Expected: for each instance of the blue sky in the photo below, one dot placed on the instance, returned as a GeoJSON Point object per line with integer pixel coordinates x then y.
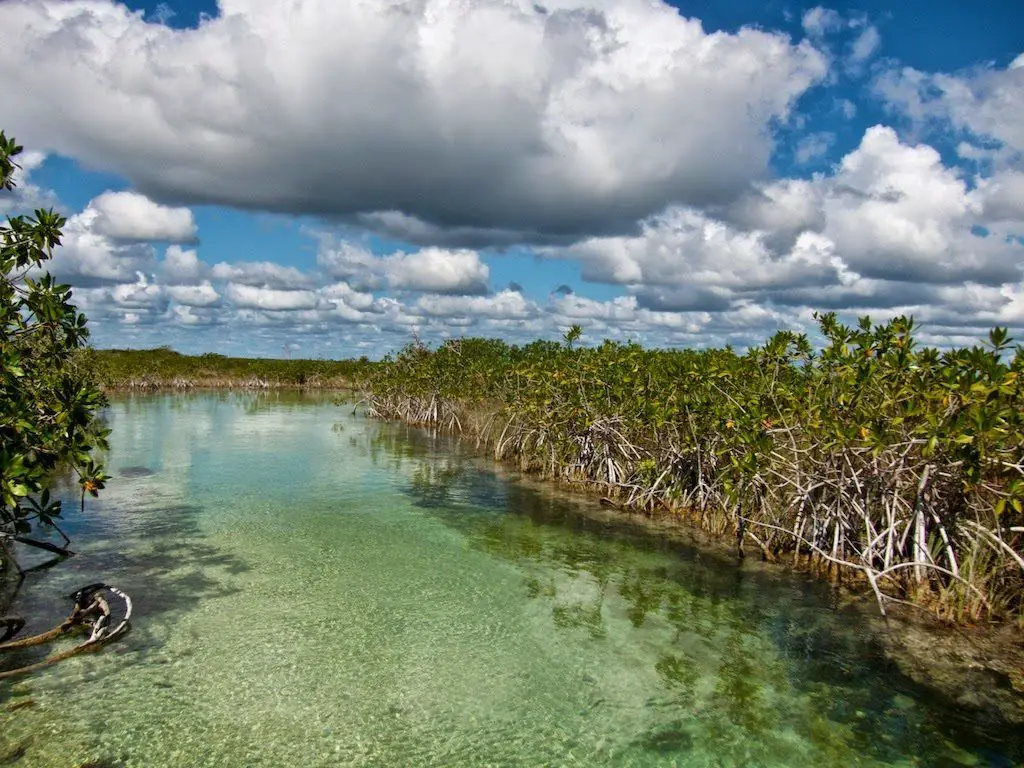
{"type": "Point", "coordinates": [325, 178]}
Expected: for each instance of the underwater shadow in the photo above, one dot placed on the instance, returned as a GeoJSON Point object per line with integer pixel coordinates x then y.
{"type": "Point", "coordinates": [160, 560]}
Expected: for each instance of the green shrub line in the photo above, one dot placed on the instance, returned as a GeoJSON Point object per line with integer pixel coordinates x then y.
{"type": "Point", "coordinates": [873, 458]}
{"type": "Point", "coordinates": [163, 368]}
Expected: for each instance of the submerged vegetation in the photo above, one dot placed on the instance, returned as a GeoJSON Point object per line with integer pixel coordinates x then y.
{"type": "Point", "coordinates": [164, 368]}
{"type": "Point", "coordinates": [897, 465]}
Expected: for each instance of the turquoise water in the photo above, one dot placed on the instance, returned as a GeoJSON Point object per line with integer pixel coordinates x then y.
{"type": "Point", "coordinates": [315, 589]}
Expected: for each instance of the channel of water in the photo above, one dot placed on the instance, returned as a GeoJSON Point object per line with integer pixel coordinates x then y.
{"type": "Point", "coordinates": [317, 589]}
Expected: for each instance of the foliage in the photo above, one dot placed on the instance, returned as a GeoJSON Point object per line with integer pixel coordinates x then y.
{"type": "Point", "coordinates": [900, 465]}
{"type": "Point", "coordinates": [47, 400]}
{"type": "Point", "coordinates": [163, 367]}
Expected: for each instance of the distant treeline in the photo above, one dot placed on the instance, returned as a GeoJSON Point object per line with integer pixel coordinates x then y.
{"type": "Point", "coordinates": [164, 368]}
{"type": "Point", "coordinates": [898, 465]}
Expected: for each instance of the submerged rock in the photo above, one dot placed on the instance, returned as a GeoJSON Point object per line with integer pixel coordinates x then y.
{"type": "Point", "coordinates": [136, 472]}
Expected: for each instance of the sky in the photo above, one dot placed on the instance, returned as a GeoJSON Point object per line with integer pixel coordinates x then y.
{"type": "Point", "coordinates": [333, 178]}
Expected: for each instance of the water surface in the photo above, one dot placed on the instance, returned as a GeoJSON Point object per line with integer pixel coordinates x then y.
{"type": "Point", "coordinates": [315, 589]}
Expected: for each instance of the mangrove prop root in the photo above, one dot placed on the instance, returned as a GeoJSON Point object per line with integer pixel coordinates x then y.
{"type": "Point", "coordinates": [91, 611]}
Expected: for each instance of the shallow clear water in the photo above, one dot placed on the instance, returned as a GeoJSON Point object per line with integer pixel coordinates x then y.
{"type": "Point", "coordinates": [314, 589]}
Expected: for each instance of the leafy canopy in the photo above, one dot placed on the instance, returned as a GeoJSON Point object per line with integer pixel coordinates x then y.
{"type": "Point", "coordinates": [48, 401]}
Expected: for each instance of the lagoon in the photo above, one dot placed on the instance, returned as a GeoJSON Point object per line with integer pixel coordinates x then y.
{"type": "Point", "coordinates": [317, 589]}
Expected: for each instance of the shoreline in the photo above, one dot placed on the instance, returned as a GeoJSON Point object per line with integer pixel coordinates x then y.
{"type": "Point", "coordinates": [250, 385]}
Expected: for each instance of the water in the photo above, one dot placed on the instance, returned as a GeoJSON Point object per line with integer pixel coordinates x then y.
{"type": "Point", "coordinates": [314, 589]}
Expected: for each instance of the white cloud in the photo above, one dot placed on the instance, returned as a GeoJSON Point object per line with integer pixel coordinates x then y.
{"type": "Point", "coordinates": [888, 231]}
{"type": "Point", "coordinates": [104, 242]}
{"type": "Point", "coordinates": [262, 274]}
{"type": "Point", "coordinates": [503, 305]}
{"type": "Point", "coordinates": [1001, 197]}
{"type": "Point", "coordinates": [430, 270]}
{"type": "Point", "coordinates": [182, 267]}
{"type": "Point", "coordinates": [191, 317]}
{"type": "Point", "coordinates": [781, 209]}
{"type": "Point", "coordinates": [813, 146]}
{"type": "Point", "coordinates": [890, 228]}
{"type": "Point", "coordinates": [689, 261]}
{"type": "Point", "coordinates": [895, 211]}
{"type": "Point", "coordinates": [434, 270]}
{"type": "Point", "coordinates": [616, 133]}
{"type": "Point", "coordinates": [141, 295]}
{"type": "Point", "coordinates": [860, 39]}
{"type": "Point", "coordinates": [865, 46]}
{"type": "Point", "coordinates": [87, 258]}
{"type": "Point", "coordinates": [270, 299]}
{"type": "Point", "coordinates": [131, 216]}
{"type": "Point", "coordinates": [820, 21]}
{"type": "Point", "coordinates": [202, 295]}
{"type": "Point", "coordinates": [345, 293]}
{"type": "Point", "coordinates": [624, 312]}
{"type": "Point", "coordinates": [988, 102]}
{"type": "Point", "coordinates": [489, 115]}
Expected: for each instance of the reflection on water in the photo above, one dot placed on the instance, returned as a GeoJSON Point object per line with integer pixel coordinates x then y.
{"type": "Point", "coordinates": [315, 589]}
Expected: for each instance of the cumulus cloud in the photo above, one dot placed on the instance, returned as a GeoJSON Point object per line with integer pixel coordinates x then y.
{"type": "Point", "coordinates": [865, 46]}
{"type": "Point", "coordinates": [270, 299]}
{"type": "Point", "coordinates": [489, 115]}
{"type": "Point", "coordinates": [181, 266]}
{"type": "Point", "coordinates": [141, 295]}
{"type": "Point", "coordinates": [1001, 197]}
{"type": "Point", "coordinates": [203, 295]}
{"type": "Point", "coordinates": [431, 270]}
{"type": "Point", "coordinates": [988, 102]}
{"type": "Point", "coordinates": [436, 271]}
{"type": "Point", "coordinates": [88, 258]}
{"type": "Point", "coordinates": [504, 305]}
{"type": "Point", "coordinates": [613, 134]}
{"type": "Point", "coordinates": [262, 274]}
{"type": "Point", "coordinates": [820, 21]}
{"type": "Point", "coordinates": [891, 227]}
{"type": "Point", "coordinates": [683, 260]}
{"type": "Point", "coordinates": [192, 317]}
{"type": "Point", "coordinates": [626, 313]}
{"type": "Point", "coordinates": [813, 146]}
{"type": "Point", "coordinates": [346, 294]}
{"type": "Point", "coordinates": [106, 243]}
{"type": "Point", "coordinates": [131, 216]}
{"type": "Point", "coordinates": [895, 211]}
{"type": "Point", "coordinates": [860, 40]}
{"type": "Point", "coordinates": [847, 108]}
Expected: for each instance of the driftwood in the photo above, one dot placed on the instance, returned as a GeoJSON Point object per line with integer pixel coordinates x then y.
{"type": "Point", "coordinates": [91, 611]}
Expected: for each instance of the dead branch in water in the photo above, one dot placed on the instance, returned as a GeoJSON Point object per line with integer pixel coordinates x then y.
{"type": "Point", "coordinates": [91, 611]}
